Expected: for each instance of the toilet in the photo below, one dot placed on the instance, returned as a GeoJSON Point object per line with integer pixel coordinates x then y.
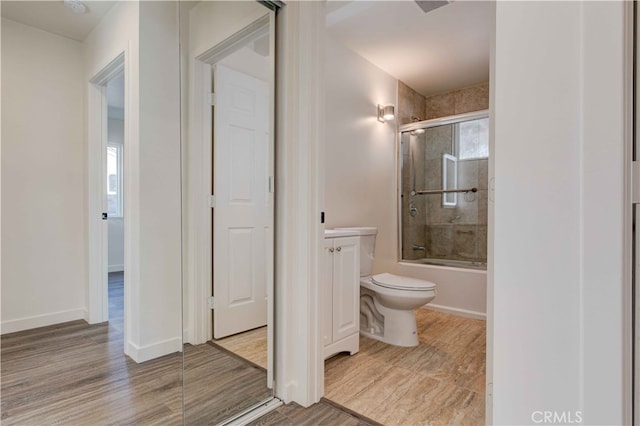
{"type": "Point", "coordinates": [387, 301]}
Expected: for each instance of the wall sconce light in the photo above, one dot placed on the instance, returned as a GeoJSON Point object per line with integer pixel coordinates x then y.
{"type": "Point", "coordinates": [385, 113]}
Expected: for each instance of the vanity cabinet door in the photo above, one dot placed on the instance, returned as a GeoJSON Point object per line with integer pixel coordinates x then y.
{"type": "Point", "coordinates": [326, 294]}
{"type": "Point", "coordinates": [346, 287]}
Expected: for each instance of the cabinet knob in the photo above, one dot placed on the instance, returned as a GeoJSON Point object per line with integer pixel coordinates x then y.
{"type": "Point", "coordinates": [331, 250]}
{"type": "Point", "coordinates": [339, 248]}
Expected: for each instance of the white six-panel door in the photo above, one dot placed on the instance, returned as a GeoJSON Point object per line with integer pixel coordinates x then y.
{"type": "Point", "coordinates": [242, 234]}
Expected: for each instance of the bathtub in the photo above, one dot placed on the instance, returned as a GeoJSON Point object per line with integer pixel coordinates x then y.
{"type": "Point", "coordinates": [449, 262]}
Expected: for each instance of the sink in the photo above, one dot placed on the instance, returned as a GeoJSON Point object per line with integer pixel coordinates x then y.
{"type": "Point", "coordinates": [334, 233]}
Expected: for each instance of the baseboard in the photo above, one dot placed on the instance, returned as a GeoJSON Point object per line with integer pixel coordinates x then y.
{"type": "Point", "coordinates": [186, 335]}
{"type": "Point", "coordinates": [115, 268]}
{"type": "Point", "coordinates": [154, 350]}
{"type": "Point", "coordinates": [456, 311]}
{"type": "Point", "coordinates": [21, 324]}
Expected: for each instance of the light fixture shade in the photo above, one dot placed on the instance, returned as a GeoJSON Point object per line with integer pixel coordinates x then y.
{"type": "Point", "coordinates": [386, 113]}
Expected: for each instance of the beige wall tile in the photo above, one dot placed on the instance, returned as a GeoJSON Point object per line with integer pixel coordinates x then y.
{"type": "Point", "coordinates": [440, 106]}
{"type": "Point", "coordinates": [410, 104]}
{"type": "Point", "coordinates": [468, 99]}
{"type": "Point", "coordinates": [474, 98]}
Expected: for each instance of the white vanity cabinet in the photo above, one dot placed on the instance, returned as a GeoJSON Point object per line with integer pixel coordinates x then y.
{"type": "Point", "coordinates": [340, 293]}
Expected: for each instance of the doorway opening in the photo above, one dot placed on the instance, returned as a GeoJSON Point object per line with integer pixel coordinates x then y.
{"type": "Point", "coordinates": [403, 174]}
{"type": "Point", "coordinates": [107, 126]}
{"type": "Point", "coordinates": [114, 167]}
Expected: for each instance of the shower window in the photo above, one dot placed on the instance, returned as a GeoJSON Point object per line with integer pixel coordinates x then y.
{"type": "Point", "coordinates": [473, 139]}
{"type": "Point", "coordinates": [443, 190]}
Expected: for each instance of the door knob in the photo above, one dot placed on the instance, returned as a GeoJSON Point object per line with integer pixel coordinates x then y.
{"type": "Point", "coordinates": [331, 250]}
{"type": "Point", "coordinates": [339, 248]}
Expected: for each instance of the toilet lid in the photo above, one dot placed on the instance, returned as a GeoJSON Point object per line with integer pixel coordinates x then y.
{"type": "Point", "coordinates": [402, 283]}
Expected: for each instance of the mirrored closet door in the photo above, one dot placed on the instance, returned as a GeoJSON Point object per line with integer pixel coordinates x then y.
{"type": "Point", "coordinates": [227, 57]}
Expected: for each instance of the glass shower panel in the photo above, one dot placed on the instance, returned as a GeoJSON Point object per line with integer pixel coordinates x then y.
{"type": "Point", "coordinates": [444, 192]}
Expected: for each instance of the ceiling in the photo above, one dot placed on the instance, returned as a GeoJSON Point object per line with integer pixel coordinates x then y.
{"type": "Point", "coordinates": [54, 17]}
{"type": "Point", "coordinates": [435, 52]}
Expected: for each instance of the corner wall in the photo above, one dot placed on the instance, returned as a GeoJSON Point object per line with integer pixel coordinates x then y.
{"type": "Point", "coordinates": [160, 222]}
{"type": "Point", "coordinates": [43, 192]}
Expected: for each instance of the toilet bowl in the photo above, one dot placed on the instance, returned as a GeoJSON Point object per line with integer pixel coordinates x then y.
{"type": "Point", "coordinates": [387, 301]}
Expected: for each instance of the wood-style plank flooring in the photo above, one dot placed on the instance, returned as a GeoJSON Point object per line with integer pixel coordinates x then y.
{"type": "Point", "coordinates": [218, 386]}
{"type": "Point", "coordinates": [77, 374]}
{"type": "Point", "coordinates": [441, 381]}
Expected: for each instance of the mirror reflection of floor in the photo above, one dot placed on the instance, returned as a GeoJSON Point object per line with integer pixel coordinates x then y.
{"type": "Point", "coordinates": [250, 345]}
{"type": "Point", "coordinates": [218, 385]}
{"type": "Point", "coordinates": [441, 381]}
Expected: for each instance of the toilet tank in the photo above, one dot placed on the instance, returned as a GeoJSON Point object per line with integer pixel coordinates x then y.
{"type": "Point", "coordinates": [367, 247]}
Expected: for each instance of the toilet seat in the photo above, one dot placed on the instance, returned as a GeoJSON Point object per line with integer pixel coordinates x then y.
{"type": "Point", "coordinates": [398, 282]}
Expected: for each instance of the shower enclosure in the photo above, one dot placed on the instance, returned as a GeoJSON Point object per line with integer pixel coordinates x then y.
{"type": "Point", "coordinates": [443, 190]}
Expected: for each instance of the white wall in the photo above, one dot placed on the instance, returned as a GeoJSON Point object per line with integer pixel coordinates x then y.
{"type": "Point", "coordinates": [558, 274]}
{"type": "Point", "coordinates": [43, 240]}
{"type": "Point", "coordinates": [360, 176]}
{"type": "Point", "coordinates": [147, 32]}
{"type": "Point", "coordinates": [159, 181]}
{"type": "Point", "coordinates": [300, 133]}
{"type": "Point", "coordinates": [116, 224]}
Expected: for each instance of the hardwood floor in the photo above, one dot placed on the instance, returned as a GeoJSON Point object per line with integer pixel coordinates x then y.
{"type": "Point", "coordinates": [77, 374]}
{"type": "Point", "coordinates": [441, 381]}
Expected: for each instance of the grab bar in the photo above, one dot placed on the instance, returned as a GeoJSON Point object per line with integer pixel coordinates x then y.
{"type": "Point", "coordinates": [443, 191]}
{"type": "Point", "coordinates": [417, 247]}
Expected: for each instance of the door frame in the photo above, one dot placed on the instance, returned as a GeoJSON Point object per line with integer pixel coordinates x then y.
{"type": "Point", "coordinates": [200, 328]}
{"type": "Point", "coordinates": [97, 124]}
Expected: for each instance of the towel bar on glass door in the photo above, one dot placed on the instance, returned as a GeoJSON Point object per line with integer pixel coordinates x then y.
{"type": "Point", "coordinates": [443, 191]}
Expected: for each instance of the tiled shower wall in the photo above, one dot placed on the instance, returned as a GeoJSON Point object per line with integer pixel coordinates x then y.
{"type": "Point", "coordinates": [474, 98]}
{"type": "Point", "coordinates": [456, 233]}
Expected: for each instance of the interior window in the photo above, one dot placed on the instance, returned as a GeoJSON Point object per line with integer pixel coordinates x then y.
{"type": "Point", "coordinates": [114, 180]}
